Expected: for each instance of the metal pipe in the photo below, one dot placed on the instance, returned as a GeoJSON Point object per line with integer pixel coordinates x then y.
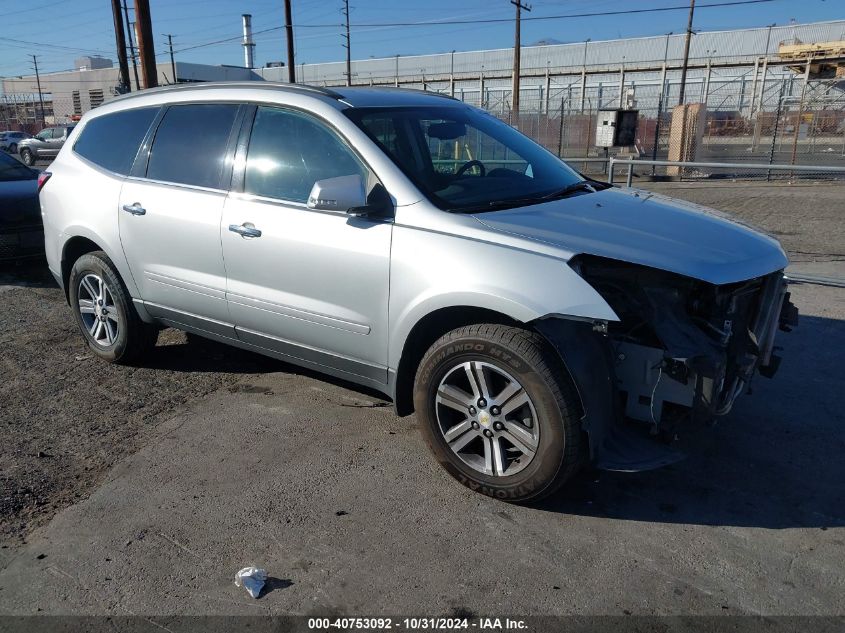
{"type": "Point", "coordinates": [248, 44]}
{"type": "Point", "coordinates": [753, 166]}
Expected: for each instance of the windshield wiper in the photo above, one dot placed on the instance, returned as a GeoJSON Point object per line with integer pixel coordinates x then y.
{"type": "Point", "coordinates": [581, 185]}
{"type": "Point", "coordinates": [588, 185]}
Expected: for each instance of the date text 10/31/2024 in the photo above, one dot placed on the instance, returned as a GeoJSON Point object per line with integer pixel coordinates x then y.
{"type": "Point", "coordinates": [386, 624]}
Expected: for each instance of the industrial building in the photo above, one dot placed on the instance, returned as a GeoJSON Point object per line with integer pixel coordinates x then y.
{"type": "Point", "coordinates": [69, 94]}
{"type": "Point", "coordinates": [742, 67]}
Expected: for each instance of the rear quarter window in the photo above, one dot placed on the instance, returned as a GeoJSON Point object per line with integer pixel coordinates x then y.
{"type": "Point", "coordinates": [190, 145]}
{"type": "Point", "coordinates": [112, 140]}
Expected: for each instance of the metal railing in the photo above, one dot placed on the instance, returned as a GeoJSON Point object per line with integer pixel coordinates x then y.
{"type": "Point", "coordinates": [632, 162]}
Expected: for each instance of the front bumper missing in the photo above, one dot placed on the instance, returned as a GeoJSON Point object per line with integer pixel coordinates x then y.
{"type": "Point", "coordinates": [587, 356]}
{"type": "Point", "coordinates": [693, 376]}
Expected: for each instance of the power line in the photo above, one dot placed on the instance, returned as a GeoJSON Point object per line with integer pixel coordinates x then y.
{"type": "Point", "coordinates": [72, 49]}
{"type": "Point", "coordinates": [549, 17]}
{"type": "Point", "coordinates": [485, 21]}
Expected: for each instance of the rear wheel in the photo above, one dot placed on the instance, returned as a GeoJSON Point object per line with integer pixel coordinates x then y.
{"type": "Point", "coordinates": [104, 312]}
{"type": "Point", "coordinates": [499, 411]}
{"type": "Point", "coordinates": [27, 157]}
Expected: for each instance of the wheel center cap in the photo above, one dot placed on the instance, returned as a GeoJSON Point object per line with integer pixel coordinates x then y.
{"type": "Point", "coordinates": [484, 418]}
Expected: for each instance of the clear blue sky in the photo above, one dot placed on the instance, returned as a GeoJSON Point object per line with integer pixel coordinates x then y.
{"type": "Point", "coordinates": [60, 30]}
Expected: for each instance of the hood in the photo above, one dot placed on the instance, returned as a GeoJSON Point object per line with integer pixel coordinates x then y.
{"type": "Point", "coordinates": [19, 203]}
{"type": "Point", "coordinates": [640, 227]}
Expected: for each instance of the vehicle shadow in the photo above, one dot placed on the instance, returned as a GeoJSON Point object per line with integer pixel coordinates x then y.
{"type": "Point", "coordinates": [205, 355]}
{"type": "Point", "coordinates": [775, 462]}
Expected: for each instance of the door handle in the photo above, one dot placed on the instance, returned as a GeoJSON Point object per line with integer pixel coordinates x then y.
{"type": "Point", "coordinates": [134, 209]}
{"type": "Point", "coordinates": [245, 230]}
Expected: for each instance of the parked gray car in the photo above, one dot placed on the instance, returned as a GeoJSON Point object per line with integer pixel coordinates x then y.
{"type": "Point", "coordinates": [532, 318]}
{"type": "Point", "coordinates": [44, 145]}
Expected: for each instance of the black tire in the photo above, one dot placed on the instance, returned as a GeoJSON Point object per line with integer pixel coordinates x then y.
{"type": "Point", "coordinates": [528, 358]}
{"type": "Point", "coordinates": [27, 158]}
{"type": "Point", "coordinates": [134, 337]}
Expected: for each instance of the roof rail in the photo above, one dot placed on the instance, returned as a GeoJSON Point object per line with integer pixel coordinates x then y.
{"type": "Point", "coordinates": [431, 93]}
{"type": "Point", "coordinates": [256, 84]}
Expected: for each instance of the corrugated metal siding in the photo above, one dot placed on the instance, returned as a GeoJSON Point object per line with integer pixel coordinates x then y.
{"type": "Point", "coordinates": [734, 46]}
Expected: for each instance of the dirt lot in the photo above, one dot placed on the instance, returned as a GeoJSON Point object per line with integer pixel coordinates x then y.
{"type": "Point", "coordinates": [65, 419]}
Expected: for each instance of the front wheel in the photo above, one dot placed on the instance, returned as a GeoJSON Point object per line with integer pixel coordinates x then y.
{"type": "Point", "coordinates": [104, 312]}
{"type": "Point", "coordinates": [499, 411]}
{"type": "Point", "coordinates": [27, 157]}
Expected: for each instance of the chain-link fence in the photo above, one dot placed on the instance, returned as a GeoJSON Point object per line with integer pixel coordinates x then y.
{"type": "Point", "coordinates": [783, 127]}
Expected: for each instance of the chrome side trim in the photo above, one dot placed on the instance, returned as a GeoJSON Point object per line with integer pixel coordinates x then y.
{"type": "Point", "coordinates": [302, 315]}
{"type": "Point", "coordinates": [190, 286]}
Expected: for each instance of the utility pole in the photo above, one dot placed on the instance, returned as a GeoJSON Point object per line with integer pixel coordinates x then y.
{"type": "Point", "coordinates": [686, 53]}
{"type": "Point", "coordinates": [172, 63]}
{"type": "Point", "coordinates": [348, 45]}
{"type": "Point", "coordinates": [38, 82]}
{"type": "Point", "coordinates": [516, 55]}
{"type": "Point", "coordinates": [146, 47]}
{"type": "Point", "coordinates": [289, 34]}
{"type": "Point", "coordinates": [131, 46]}
{"type": "Point", "coordinates": [120, 43]}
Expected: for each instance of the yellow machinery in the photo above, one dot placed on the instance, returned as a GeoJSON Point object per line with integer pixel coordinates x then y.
{"type": "Point", "coordinates": [827, 59]}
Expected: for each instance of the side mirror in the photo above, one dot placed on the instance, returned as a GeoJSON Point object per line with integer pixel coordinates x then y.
{"type": "Point", "coordinates": [343, 193]}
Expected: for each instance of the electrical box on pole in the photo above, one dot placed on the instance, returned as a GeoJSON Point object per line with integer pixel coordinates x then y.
{"type": "Point", "coordinates": [616, 128]}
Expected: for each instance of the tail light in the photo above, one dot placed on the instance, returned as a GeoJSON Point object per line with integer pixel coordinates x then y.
{"type": "Point", "coordinates": [43, 177]}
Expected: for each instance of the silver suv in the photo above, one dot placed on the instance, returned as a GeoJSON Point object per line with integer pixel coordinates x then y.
{"type": "Point", "coordinates": [532, 318]}
{"type": "Point", "coordinates": [44, 145]}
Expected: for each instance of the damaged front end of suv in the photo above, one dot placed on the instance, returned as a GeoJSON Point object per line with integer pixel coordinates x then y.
{"type": "Point", "coordinates": [682, 351]}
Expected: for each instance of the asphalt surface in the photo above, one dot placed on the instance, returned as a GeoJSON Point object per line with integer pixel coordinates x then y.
{"type": "Point", "coordinates": [341, 502]}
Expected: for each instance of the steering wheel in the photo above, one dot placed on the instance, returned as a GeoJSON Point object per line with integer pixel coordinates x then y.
{"type": "Point", "coordinates": [469, 165]}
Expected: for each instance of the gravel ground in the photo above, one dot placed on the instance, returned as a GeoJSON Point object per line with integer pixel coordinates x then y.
{"type": "Point", "coordinates": [65, 418]}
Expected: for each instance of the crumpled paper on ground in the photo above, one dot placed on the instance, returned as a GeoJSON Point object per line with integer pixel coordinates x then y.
{"type": "Point", "coordinates": [252, 579]}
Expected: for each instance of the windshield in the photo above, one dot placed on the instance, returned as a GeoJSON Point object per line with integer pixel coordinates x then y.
{"type": "Point", "coordinates": [464, 159]}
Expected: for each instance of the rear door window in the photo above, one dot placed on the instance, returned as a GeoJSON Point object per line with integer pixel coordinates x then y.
{"type": "Point", "coordinates": [112, 140]}
{"type": "Point", "coordinates": [190, 145]}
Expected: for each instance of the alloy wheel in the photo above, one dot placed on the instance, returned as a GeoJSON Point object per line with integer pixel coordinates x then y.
{"type": "Point", "coordinates": [487, 418]}
{"type": "Point", "coordinates": [99, 313]}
